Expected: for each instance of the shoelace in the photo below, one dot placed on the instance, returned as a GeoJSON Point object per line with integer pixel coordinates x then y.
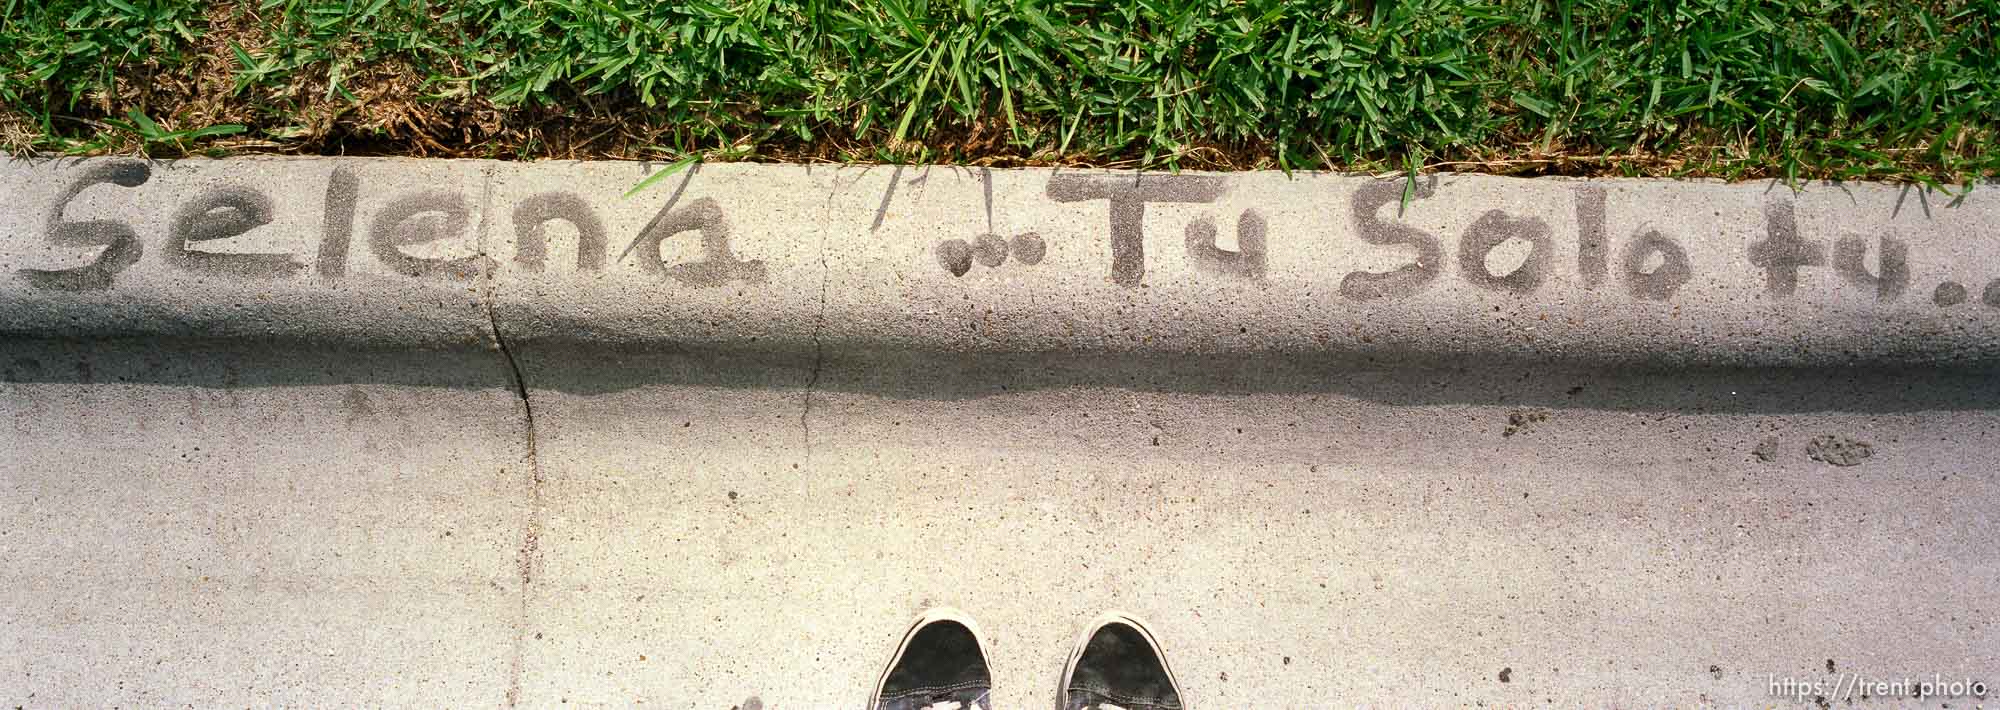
{"type": "Point", "coordinates": [979, 703]}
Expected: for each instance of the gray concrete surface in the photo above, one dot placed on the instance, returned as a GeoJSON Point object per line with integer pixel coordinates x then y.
{"type": "Point", "coordinates": [751, 257]}
{"type": "Point", "coordinates": [788, 408]}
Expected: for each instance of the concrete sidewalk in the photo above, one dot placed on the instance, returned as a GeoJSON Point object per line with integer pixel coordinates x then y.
{"type": "Point", "coordinates": [347, 432]}
{"type": "Point", "coordinates": [769, 258]}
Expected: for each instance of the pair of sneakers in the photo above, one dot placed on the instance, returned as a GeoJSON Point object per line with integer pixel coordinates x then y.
{"type": "Point", "coordinates": [941, 665]}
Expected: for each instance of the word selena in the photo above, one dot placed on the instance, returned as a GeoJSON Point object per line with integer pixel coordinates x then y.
{"type": "Point", "coordinates": [415, 218]}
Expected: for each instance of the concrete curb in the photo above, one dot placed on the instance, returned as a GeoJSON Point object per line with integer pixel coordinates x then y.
{"type": "Point", "coordinates": [430, 433]}
{"type": "Point", "coordinates": [447, 254]}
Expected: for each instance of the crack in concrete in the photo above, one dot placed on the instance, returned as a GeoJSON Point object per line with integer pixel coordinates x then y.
{"type": "Point", "coordinates": [530, 561]}
{"type": "Point", "coordinates": [819, 354]}
{"type": "Point", "coordinates": [528, 565]}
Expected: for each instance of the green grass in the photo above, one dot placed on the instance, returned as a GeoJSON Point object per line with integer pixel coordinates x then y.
{"type": "Point", "coordinates": [1797, 89]}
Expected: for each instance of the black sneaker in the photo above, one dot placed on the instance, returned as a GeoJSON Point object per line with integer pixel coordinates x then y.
{"type": "Point", "coordinates": [1118, 664]}
{"type": "Point", "coordinates": [940, 664]}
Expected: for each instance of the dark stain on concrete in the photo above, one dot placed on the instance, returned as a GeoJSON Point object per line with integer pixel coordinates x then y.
{"type": "Point", "coordinates": [221, 213]}
{"type": "Point", "coordinates": [1247, 262]}
{"type": "Point", "coordinates": [337, 224]}
{"type": "Point", "coordinates": [955, 256]}
{"type": "Point", "coordinates": [1949, 293]}
{"type": "Point", "coordinates": [531, 229]}
{"type": "Point", "coordinates": [121, 244]}
{"type": "Point", "coordinates": [1674, 271]}
{"type": "Point", "coordinates": [1029, 249]}
{"type": "Point", "coordinates": [1593, 249]}
{"type": "Point", "coordinates": [357, 404]}
{"type": "Point", "coordinates": [1521, 421]}
{"type": "Point", "coordinates": [1128, 197]}
{"type": "Point", "coordinates": [718, 264]}
{"type": "Point", "coordinates": [1766, 451]}
{"type": "Point", "coordinates": [1894, 276]}
{"type": "Point", "coordinates": [1838, 450]}
{"type": "Point", "coordinates": [1782, 252]}
{"type": "Point", "coordinates": [1494, 229]}
{"type": "Point", "coordinates": [1427, 262]}
{"type": "Point", "coordinates": [422, 218]}
{"type": "Point", "coordinates": [989, 249]}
